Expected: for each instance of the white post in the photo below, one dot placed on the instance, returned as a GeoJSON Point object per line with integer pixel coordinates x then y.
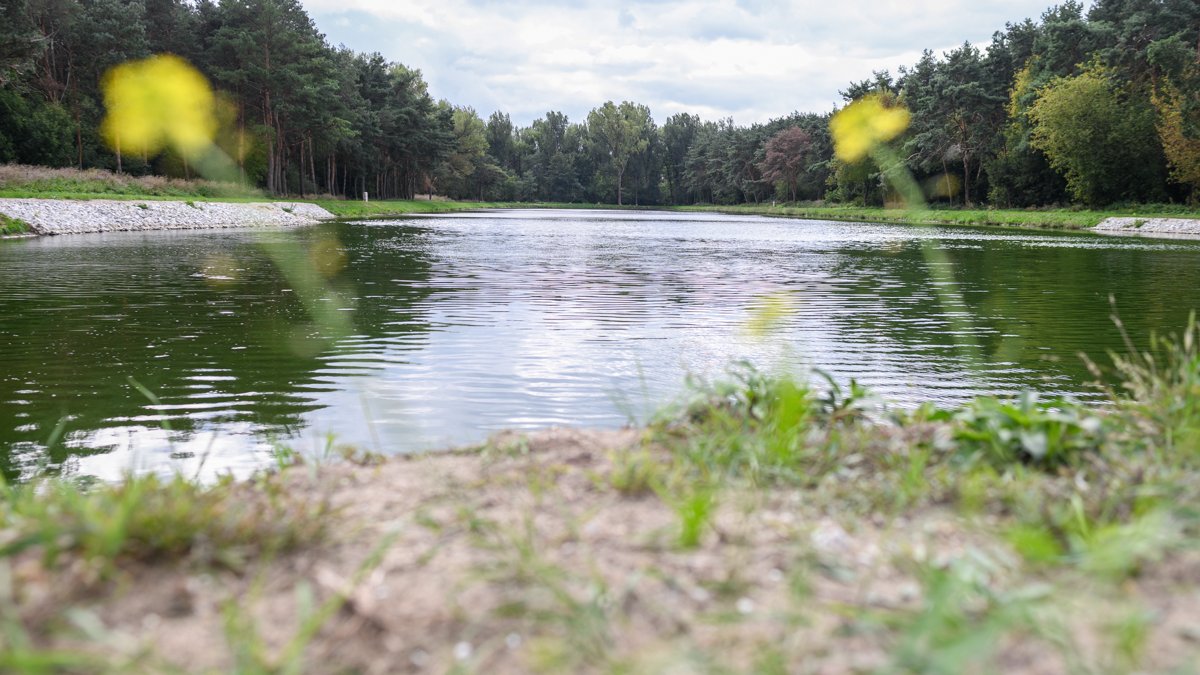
{"type": "Point", "coordinates": [366, 198]}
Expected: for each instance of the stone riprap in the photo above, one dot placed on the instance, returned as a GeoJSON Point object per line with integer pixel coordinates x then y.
{"type": "Point", "coordinates": [1182, 227]}
{"type": "Point", "coordinates": [60, 216]}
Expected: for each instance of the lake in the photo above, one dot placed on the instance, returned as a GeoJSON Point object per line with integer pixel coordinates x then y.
{"type": "Point", "coordinates": [206, 350]}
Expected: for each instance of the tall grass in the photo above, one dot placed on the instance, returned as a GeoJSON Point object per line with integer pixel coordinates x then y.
{"type": "Point", "coordinates": [18, 180]}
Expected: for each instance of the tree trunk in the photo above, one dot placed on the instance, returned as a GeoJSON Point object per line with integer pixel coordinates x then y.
{"type": "Point", "coordinates": [312, 167]}
{"type": "Point", "coordinates": [966, 180]}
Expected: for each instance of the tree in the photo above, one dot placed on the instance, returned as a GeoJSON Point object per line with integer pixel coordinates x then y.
{"type": "Point", "coordinates": [501, 142]}
{"type": "Point", "coordinates": [1179, 130]}
{"type": "Point", "coordinates": [19, 43]}
{"type": "Point", "coordinates": [1102, 142]}
{"type": "Point", "coordinates": [677, 136]}
{"type": "Point", "coordinates": [467, 167]}
{"type": "Point", "coordinates": [958, 111]}
{"type": "Point", "coordinates": [787, 157]}
{"type": "Point", "coordinates": [620, 132]}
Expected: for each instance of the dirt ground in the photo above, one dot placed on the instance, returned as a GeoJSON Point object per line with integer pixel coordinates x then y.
{"type": "Point", "coordinates": [524, 558]}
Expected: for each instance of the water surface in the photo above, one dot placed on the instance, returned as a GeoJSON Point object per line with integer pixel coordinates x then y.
{"type": "Point", "coordinates": [193, 350]}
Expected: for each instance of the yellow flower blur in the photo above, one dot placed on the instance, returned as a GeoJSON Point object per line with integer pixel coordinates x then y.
{"type": "Point", "coordinates": [156, 103]}
{"type": "Point", "coordinates": [861, 126]}
{"type": "Point", "coordinates": [769, 312]}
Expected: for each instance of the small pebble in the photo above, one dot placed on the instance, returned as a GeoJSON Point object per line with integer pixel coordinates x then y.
{"type": "Point", "coordinates": [462, 651]}
{"type": "Point", "coordinates": [745, 606]}
{"type": "Point", "coordinates": [513, 641]}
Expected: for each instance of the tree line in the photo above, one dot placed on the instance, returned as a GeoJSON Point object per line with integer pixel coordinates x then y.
{"type": "Point", "coordinates": [1082, 107]}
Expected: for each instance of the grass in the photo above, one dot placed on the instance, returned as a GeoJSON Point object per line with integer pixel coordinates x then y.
{"type": "Point", "coordinates": [1030, 461]}
{"type": "Point", "coordinates": [360, 209]}
{"type": "Point", "coordinates": [21, 181]}
{"type": "Point", "coordinates": [11, 226]}
{"type": "Point", "coordinates": [149, 519]}
{"type": "Point", "coordinates": [1064, 219]}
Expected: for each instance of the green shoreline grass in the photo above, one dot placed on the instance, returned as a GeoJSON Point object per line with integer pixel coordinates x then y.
{"type": "Point", "coordinates": [12, 226]}
{"type": "Point", "coordinates": [1058, 219]}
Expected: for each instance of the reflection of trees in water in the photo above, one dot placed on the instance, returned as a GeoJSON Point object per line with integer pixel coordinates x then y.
{"type": "Point", "coordinates": [1027, 303]}
{"type": "Point", "coordinates": [204, 321]}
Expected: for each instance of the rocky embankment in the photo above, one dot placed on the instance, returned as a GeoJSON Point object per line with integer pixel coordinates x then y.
{"type": "Point", "coordinates": [1151, 227]}
{"type": "Point", "coordinates": [57, 216]}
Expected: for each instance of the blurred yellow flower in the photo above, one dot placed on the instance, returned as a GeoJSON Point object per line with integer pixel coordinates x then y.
{"type": "Point", "coordinates": [864, 124]}
{"type": "Point", "coordinates": [158, 102]}
{"type": "Point", "coordinates": [769, 312]}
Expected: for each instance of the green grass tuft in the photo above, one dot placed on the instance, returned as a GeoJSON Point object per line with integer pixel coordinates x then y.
{"type": "Point", "coordinates": [149, 519]}
{"type": "Point", "coordinates": [12, 225]}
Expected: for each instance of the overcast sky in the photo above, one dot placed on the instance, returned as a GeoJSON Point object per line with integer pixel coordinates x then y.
{"type": "Point", "coordinates": [747, 59]}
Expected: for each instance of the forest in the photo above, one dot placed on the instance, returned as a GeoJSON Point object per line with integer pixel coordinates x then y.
{"type": "Point", "coordinates": [1081, 107]}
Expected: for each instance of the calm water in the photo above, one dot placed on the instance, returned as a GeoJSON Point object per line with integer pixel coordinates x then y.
{"type": "Point", "coordinates": [457, 326]}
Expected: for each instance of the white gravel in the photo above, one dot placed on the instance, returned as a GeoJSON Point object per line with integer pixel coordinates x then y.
{"type": "Point", "coordinates": [61, 216]}
{"type": "Point", "coordinates": [1151, 226]}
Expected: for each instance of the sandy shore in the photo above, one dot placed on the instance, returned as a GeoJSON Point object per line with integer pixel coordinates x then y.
{"type": "Point", "coordinates": [524, 557]}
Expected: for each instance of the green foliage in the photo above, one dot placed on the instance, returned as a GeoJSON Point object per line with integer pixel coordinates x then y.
{"type": "Point", "coordinates": [1178, 125]}
{"type": "Point", "coordinates": [1162, 390]}
{"type": "Point", "coordinates": [1103, 141]}
{"type": "Point", "coordinates": [636, 473]}
{"type": "Point", "coordinates": [620, 132]}
{"type": "Point", "coordinates": [694, 508]}
{"type": "Point", "coordinates": [12, 225]}
{"type": "Point", "coordinates": [151, 518]}
{"type": "Point", "coordinates": [33, 132]}
{"type": "Point", "coordinates": [961, 621]}
{"type": "Point", "coordinates": [1049, 434]}
{"type": "Point", "coordinates": [958, 111]}
{"type": "Point", "coordinates": [468, 170]}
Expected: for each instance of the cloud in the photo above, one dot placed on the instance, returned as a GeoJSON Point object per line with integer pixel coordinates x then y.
{"type": "Point", "coordinates": [749, 59]}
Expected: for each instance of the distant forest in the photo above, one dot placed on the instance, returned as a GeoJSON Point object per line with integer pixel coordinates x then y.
{"type": "Point", "coordinates": [1077, 107]}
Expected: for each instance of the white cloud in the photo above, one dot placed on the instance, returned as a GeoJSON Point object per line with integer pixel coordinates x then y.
{"type": "Point", "coordinates": [749, 59]}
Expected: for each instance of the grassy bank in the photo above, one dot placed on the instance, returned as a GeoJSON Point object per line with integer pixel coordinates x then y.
{"type": "Point", "coordinates": [761, 526]}
{"type": "Point", "coordinates": [396, 207]}
{"type": "Point", "coordinates": [19, 181]}
{"type": "Point", "coordinates": [11, 226]}
{"type": "Point", "coordinates": [1069, 219]}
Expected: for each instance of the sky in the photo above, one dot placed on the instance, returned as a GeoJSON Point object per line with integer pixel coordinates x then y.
{"type": "Point", "coordinates": [752, 60]}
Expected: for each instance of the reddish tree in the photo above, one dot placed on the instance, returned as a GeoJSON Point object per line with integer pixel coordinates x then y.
{"type": "Point", "coordinates": [787, 155]}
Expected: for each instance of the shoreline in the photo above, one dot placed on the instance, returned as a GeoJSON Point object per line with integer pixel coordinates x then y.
{"type": "Point", "coordinates": [56, 216]}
